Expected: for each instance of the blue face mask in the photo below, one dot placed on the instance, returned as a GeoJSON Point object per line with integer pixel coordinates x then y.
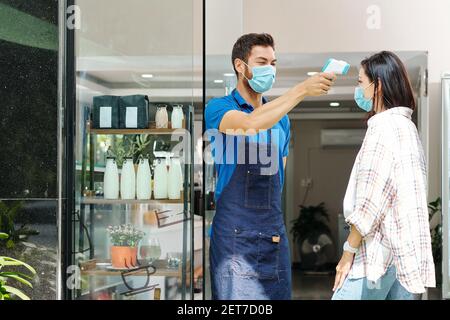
{"type": "Point", "coordinates": [263, 78]}
{"type": "Point", "coordinates": [361, 101]}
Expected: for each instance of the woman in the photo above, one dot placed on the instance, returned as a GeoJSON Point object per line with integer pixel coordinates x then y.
{"type": "Point", "coordinates": [387, 255]}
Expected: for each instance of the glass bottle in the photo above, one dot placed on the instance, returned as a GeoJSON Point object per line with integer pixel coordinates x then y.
{"type": "Point", "coordinates": [128, 180]}
{"type": "Point", "coordinates": [111, 179]}
{"type": "Point", "coordinates": [143, 177]}
{"type": "Point", "coordinates": [175, 179]}
{"type": "Point", "coordinates": [177, 116]}
{"type": "Point", "coordinates": [161, 117]}
{"type": "Point", "coordinates": [160, 179]}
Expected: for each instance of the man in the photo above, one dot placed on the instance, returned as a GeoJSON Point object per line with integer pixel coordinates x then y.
{"type": "Point", "coordinates": [249, 252]}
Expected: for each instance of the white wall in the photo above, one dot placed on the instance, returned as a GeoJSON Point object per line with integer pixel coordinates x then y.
{"type": "Point", "coordinates": [318, 26]}
{"type": "Point", "coordinates": [224, 24]}
{"type": "Point", "coordinates": [342, 25]}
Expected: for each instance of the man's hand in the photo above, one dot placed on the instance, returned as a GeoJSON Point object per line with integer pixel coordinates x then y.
{"type": "Point", "coordinates": [343, 269]}
{"type": "Point", "coordinates": [318, 84]}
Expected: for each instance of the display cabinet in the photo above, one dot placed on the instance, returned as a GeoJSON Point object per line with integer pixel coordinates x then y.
{"type": "Point", "coordinates": [164, 255]}
{"type": "Point", "coordinates": [128, 95]}
{"type": "Point", "coordinates": [445, 186]}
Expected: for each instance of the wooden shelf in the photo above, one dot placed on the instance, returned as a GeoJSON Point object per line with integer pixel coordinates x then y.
{"type": "Point", "coordinates": [151, 130]}
{"type": "Point", "coordinates": [101, 200]}
{"type": "Point", "coordinates": [90, 268]}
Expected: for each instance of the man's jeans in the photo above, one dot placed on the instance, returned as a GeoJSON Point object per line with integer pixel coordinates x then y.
{"type": "Point", "coordinates": [385, 288]}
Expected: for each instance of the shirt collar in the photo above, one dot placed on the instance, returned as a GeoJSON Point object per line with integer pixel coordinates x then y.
{"type": "Point", "coordinates": [402, 111]}
{"type": "Point", "coordinates": [241, 101]}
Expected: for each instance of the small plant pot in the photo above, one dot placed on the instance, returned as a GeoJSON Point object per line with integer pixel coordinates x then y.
{"type": "Point", "coordinates": [123, 257]}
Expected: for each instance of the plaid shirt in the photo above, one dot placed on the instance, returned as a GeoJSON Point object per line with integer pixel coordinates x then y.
{"type": "Point", "coordinates": [386, 201]}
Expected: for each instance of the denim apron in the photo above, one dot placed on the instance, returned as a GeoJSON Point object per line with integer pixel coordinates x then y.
{"type": "Point", "coordinates": [249, 250]}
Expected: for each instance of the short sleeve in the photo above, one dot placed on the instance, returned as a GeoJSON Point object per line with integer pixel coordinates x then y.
{"type": "Point", "coordinates": [287, 133]}
{"type": "Point", "coordinates": [215, 110]}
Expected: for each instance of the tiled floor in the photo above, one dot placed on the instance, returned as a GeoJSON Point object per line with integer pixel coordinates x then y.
{"type": "Point", "coordinates": [319, 287]}
{"type": "Point", "coordinates": [311, 286]}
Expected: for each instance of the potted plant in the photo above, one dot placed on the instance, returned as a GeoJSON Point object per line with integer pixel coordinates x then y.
{"type": "Point", "coordinates": [121, 150]}
{"type": "Point", "coordinates": [8, 292]}
{"type": "Point", "coordinates": [435, 208]}
{"type": "Point", "coordinates": [124, 240]}
{"type": "Point", "coordinates": [311, 229]}
{"type": "Point", "coordinates": [140, 144]}
{"type": "Point", "coordinates": [8, 224]}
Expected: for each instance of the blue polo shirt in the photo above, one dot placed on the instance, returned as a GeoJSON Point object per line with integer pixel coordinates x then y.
{"type": "Point", "coordinates": [227, 159]}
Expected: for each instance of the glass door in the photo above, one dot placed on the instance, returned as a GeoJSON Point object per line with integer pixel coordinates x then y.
{"type": "Point", "coordinates": [131, 227]}
{"type": "Point", "coordinates": [446, 184]}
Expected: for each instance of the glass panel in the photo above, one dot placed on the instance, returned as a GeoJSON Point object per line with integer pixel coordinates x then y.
{"type": "Point", "coordinates": [447, 103]}
{"type": "Point", "coordinates": [28, 126]}
{"type": "Point", "coordinates": [134, 89]}
{"type": "Point", "coordinates": [446, 187]}
{"type": "Point", "coordinates": [220, 80]}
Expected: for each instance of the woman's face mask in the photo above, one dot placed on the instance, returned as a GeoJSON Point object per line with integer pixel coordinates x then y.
{"type": "Point", "coordinates": [263, 78]}
{"type": "Point", "coordinates": [360, 99]}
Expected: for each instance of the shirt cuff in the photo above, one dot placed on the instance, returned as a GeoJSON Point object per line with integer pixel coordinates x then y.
{"type": "Point", "coordinates": [363, 225]}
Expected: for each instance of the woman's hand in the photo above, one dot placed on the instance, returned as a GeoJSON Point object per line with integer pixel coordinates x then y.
{"type": "Point", "coordinates": [343, 269]}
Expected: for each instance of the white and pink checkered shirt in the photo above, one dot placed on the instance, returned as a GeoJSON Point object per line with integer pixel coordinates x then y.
{"type": "Point", "coordinates": [386, 201]}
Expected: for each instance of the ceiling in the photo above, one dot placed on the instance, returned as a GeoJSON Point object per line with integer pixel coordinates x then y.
{"type": "Point", "coordinates": [179, 78]}
{"type": "Point", "coordinates": [146, 37]}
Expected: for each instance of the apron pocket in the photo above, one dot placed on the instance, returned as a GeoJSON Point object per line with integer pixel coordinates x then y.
{"type": "Point", "coordinates": [256, 254]}
{"type": "Point", "coordinates": [268, 255]}
{"type": "Point", "coordinates": [258, 190]}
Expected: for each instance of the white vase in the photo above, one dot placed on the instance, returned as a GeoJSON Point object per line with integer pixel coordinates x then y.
{"type": "Point", "coordinates": [111, 179]}
{"type": "Point", "coordinates": [161, 117]}
{"type": "Point", "coordinates": [177, 117]}
{"type": "Point", "coordinates": [143, 187]}
{"type": "Point", "coordinates": [160, 180]}
{"type": "Point", "coordinates": [175, 179]}
{"type": "Point", "coordinates": [128, 180]}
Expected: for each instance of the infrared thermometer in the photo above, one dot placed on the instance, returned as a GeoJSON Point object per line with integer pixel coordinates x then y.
{"type": "Point", "coordinates": [336, 66]}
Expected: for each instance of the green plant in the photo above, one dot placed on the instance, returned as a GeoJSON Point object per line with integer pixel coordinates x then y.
{"type": "Point", "coordinates": [121, 150]}
{"type": "Point", "coordinates": [7, 292]}
{"type": "Point", "coordinates": [311, 222]}
{"type": "Point", "coordinates": [8, 217]}
{"type": "Point", "coordinates": [130, 147]}
{"type": "Point", "coordinates": [125, 235]}
{"type": "Point", "coordinates": [436, 229]}
{"type": "Point", "coordinates": [141, 142]}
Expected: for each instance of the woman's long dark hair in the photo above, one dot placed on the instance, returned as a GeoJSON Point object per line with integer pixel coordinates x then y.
{"type": "Point", "coordinates": [396, 89]}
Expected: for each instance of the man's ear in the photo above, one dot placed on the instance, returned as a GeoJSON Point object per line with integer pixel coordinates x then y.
{"type": "Point", "coordinates": [239, 66]}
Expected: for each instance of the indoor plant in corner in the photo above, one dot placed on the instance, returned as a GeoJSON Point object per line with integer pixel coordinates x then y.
{"type": "Point", "coordinates": [124, 240]}
{"type": "Point", "coordinates": [313, 237]}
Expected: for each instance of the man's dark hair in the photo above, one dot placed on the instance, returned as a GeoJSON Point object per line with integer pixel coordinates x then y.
{"type": "Point", "coordinates": [243, 46]}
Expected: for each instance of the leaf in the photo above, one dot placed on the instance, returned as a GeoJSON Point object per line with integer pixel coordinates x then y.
{"type": "Point", "coordinates": [10, 244]}
{"type": "Point", "coordinates": [7, 261]}
{"type": "Point", "coordinates": [3, 235]}
{"type": "Point", "coordinates": [16, 292]}
{"type": "Point", "coordinates": [23, 275]}
{"type": "Point", "coordinates": [15, 276]}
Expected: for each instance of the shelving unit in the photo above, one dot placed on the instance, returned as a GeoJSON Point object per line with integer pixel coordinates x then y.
{"type": "Point", "coordinates": [128, 209]}
{"type": "Point", "coordinates": [91, 269]}
{"type": "Point", "coordinates": [100, 200]}
{"type": "Point", "coordinates": [150, 130]}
